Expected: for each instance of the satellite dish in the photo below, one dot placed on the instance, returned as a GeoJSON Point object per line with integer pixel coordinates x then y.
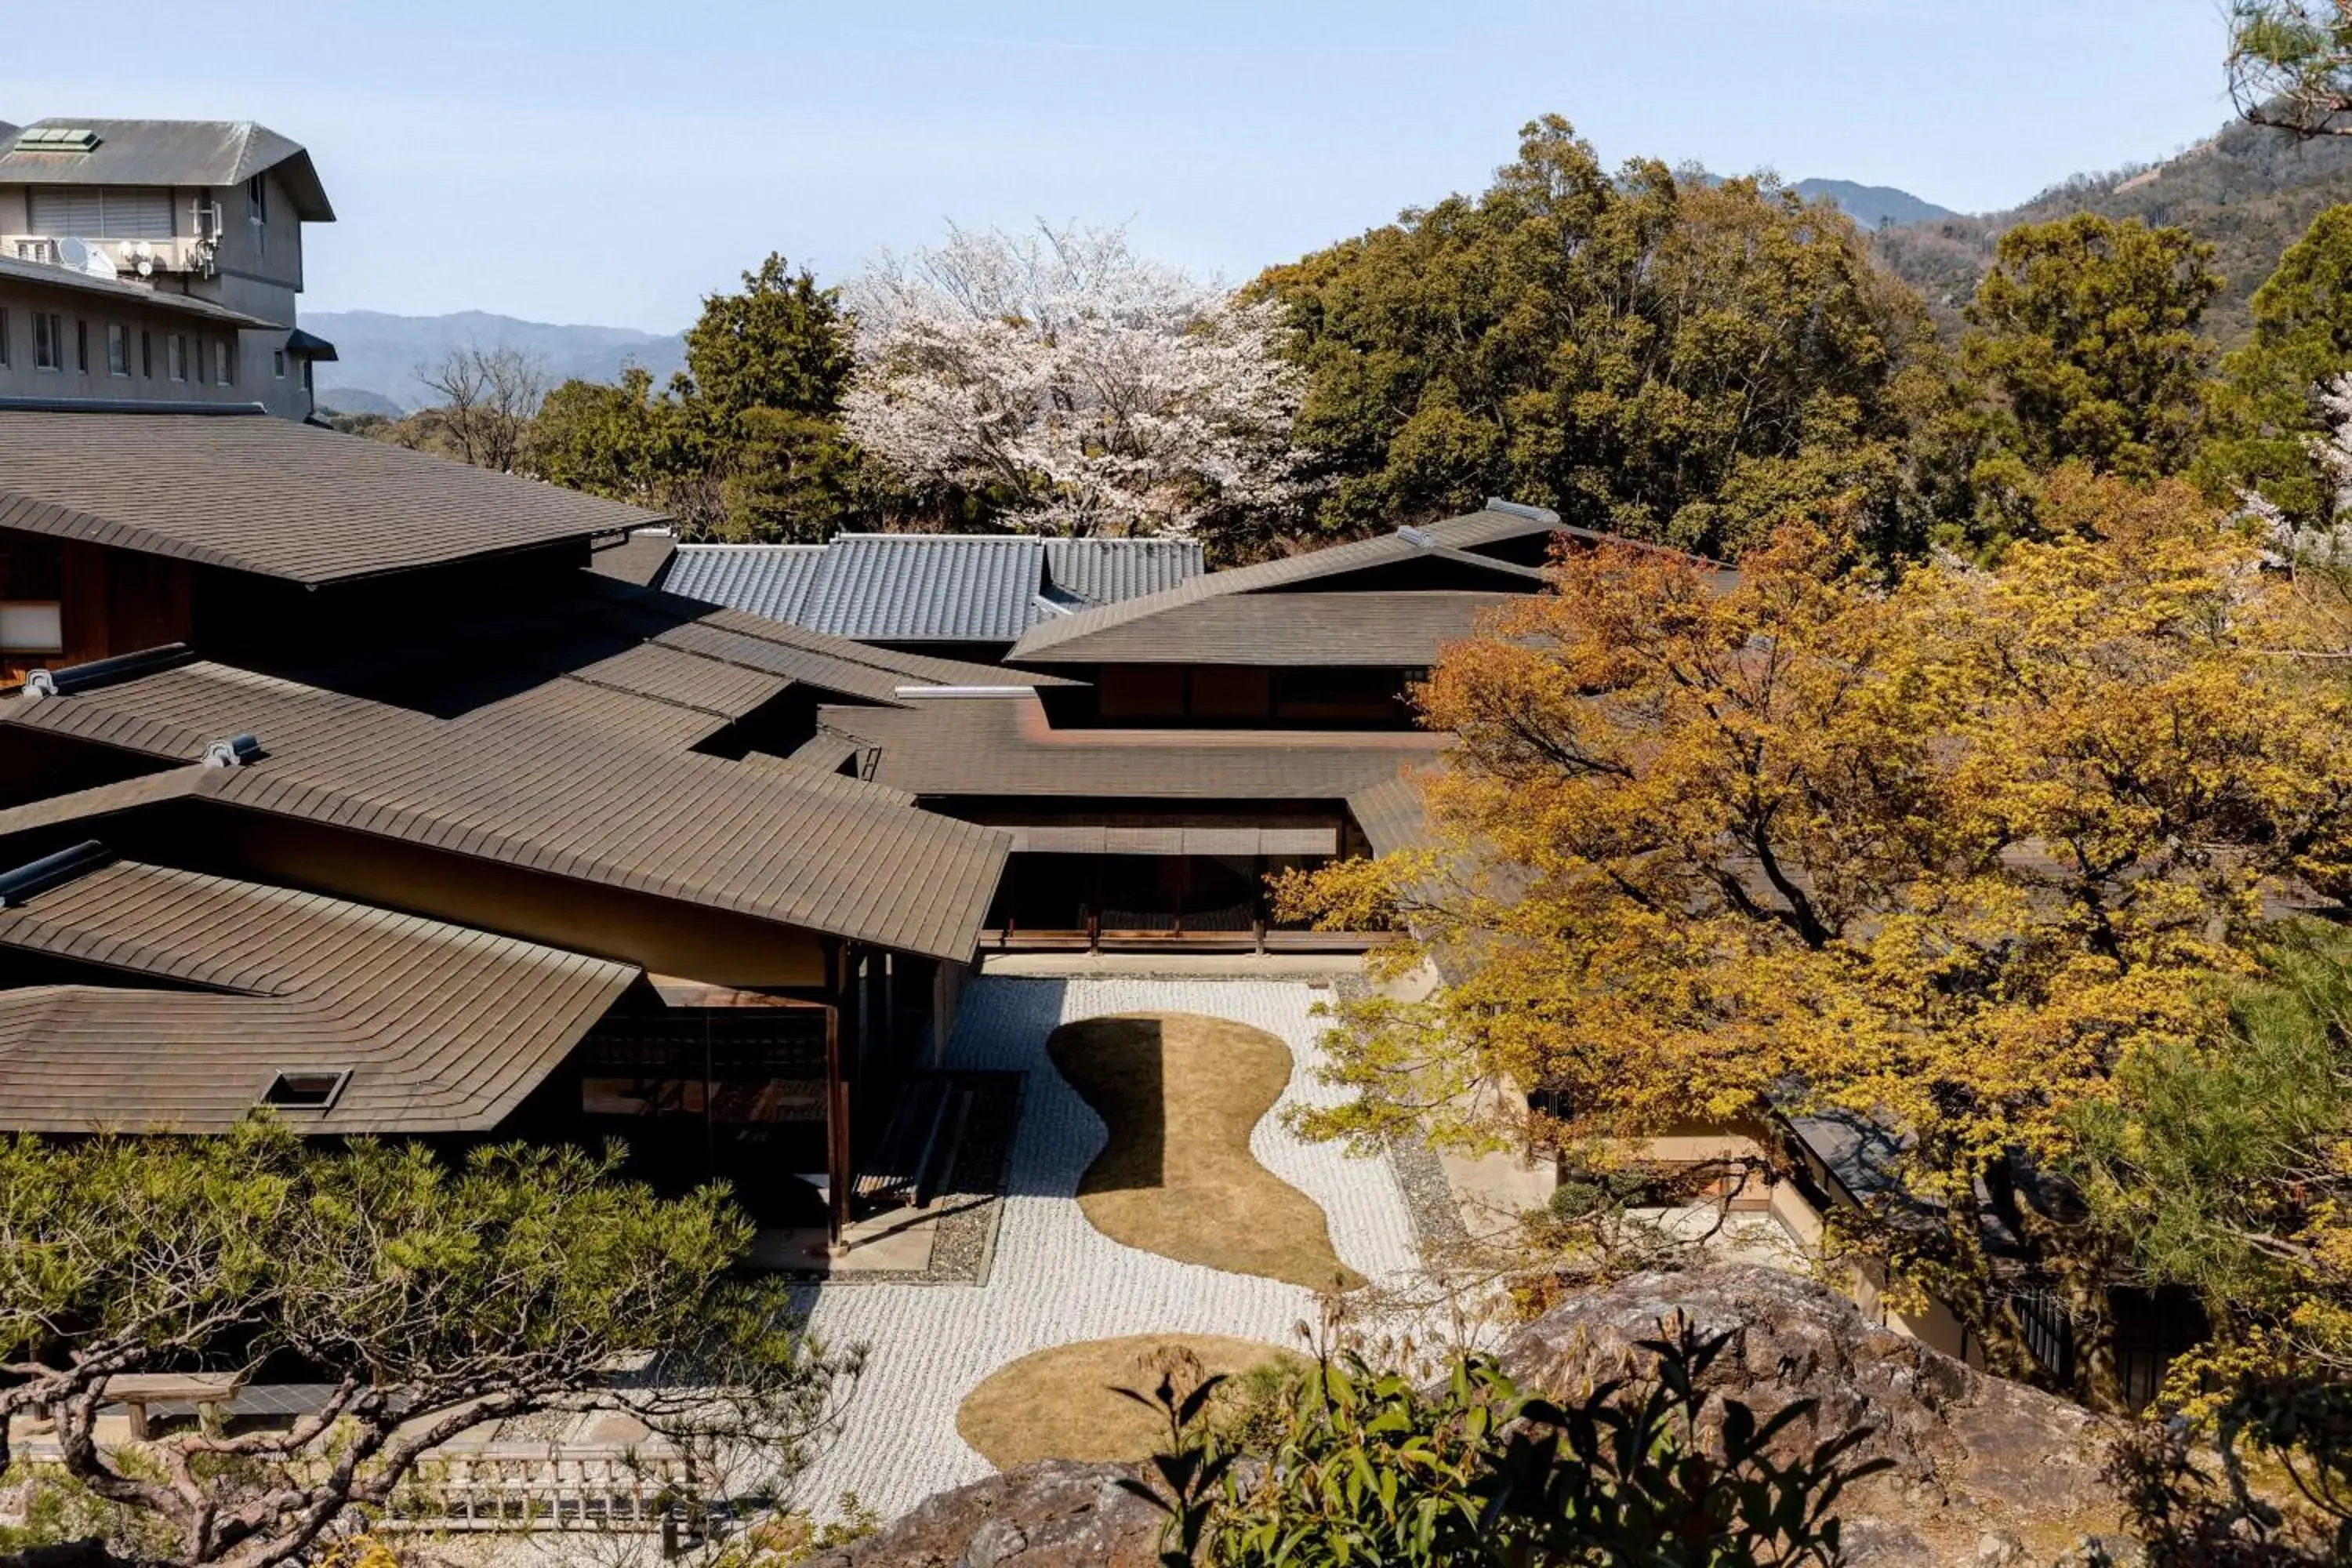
{"type": "Point", "coordinates": [146, 266]}
{"type": "Point", "coordinates": [83, 256]}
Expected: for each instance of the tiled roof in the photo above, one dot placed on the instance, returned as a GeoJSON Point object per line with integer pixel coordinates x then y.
{"type": "Point", "coordinates": [927, 587]}
{"type": "Point", "coordinates": [272, 497]}
{"type": "Point", "coordinates": [441, 1028]}
{"type": "Point", "coordinates": [1105, 571]}
{"type": "Point", "coordinates": [1001, 746]}
{"type": "Point", "coordinates": [170, 152]}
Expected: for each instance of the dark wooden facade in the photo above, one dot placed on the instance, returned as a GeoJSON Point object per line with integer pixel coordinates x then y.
{"type": "Point", "coordinates": [105, 601]}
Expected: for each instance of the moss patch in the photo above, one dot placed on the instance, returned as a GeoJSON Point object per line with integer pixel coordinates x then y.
{"type": "Point", "coordinates": [1179, 1094]}
{"type": "Point", "coordinates": [1061, 1403]}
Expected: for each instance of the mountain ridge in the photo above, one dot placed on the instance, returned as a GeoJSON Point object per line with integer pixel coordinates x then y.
{"type": "Point", "coordinates": [380, 353]}
{"type": "Point", "coordinates": [2248, 192]}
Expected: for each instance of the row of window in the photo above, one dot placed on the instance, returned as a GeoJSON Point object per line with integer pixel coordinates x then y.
{"type": "Point", "coordinates": [186, 356]}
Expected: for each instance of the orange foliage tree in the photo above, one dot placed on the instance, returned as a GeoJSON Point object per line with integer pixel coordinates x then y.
{"type": "Point", "coordinates": [1939, 853]}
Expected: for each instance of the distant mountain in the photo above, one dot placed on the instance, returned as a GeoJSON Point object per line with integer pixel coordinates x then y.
{"type": "Point", "coordinates": [381, 354]}
{"type": "Point", "coordinates": [355, 400]}
{"type": "Point", "coordinates": [1872, 207]}
{"type": "Point", "coordinates": [2251, 192]}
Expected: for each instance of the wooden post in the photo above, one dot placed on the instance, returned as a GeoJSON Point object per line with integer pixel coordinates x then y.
{"type": "Point", "coordinates": [836, 1131]}
{"type": "Point", "coordinates": [709, 1111]}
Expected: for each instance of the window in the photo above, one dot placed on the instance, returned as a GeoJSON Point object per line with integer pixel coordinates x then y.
{"type": "Point", "coordinates": [95, 212]}
{"type": "Point", "coordinates": [225, 364]}
{"type": "Point", "coordinates": [32, 626]}
{"type": "Point", "coordinates": [81, 345]}
{"type": "Point", "coordinates": [118, 349]}
{"type": "Point", "coordinates": [305, 1088]}
{"type": "Point", "coordinates": [278, 363]}
{"type": "Point", "coordinates": [256, 212]}
{"type": "Point", "coordinates": [147, 355]}
{"type": "Point", "coordinates": [175, 355]}
{"type": "Point", "coordinates": [4, 338]}
{"type": "Point", "coordinates": [48, 341]}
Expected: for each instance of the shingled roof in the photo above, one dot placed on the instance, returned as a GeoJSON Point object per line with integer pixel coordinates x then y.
{"type": "Point", "coordinates": [997, 746]}
{"type": "Point", "coordinates": [560, 790]}
{"type": "Point", "coordinates": [50, 275]}
{"type": "Point", "coordinates": [1082, 637]}
{"type": "Point", "coordinates": [929, 587]}
{"type": "Point", "coordinates": [209, 152]}
{"type": "Point", "coordinates": [239, 490]}
{"type": "Point", "coordinates": [225, 983]}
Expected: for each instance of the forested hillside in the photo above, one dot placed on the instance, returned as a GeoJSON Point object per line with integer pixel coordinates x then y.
{"type": "Point", "coordinates": [2251, 193]}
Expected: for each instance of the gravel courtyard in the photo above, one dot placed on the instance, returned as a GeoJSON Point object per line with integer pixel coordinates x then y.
{"type": "Point", "coordinates": [1055, 1277]}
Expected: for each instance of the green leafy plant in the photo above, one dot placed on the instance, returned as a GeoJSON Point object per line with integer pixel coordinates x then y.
{"type": "Point", "coordinates": [1374, 1469]}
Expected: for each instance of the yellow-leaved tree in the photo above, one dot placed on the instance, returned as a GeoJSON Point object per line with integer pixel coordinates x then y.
{"type": "Point", "coordinates": [1938, 854]}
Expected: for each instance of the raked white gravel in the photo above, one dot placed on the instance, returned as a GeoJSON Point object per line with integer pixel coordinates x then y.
{"type": "Point", "coordinates": [1056, 1278]}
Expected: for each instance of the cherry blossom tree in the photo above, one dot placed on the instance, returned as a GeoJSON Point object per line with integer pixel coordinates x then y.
{"type": "Point", "coordinates": [1079, 387]}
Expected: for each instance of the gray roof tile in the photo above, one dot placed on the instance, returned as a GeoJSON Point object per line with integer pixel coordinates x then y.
{"type": "Point", "coordinates": [926, 588]}
{"type": "Point", "coordinates": [171, 153]}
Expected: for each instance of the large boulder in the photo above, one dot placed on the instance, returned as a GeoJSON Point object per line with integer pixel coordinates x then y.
{"type": "Point", "coordinates": [1983, 1469]}
{"type": "Point", "coordinates": [1050, 1514]}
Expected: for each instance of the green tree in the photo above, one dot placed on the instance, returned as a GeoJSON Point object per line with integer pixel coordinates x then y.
{"type": "Point", "coordinates": [625, 441]}
{"type": "Point", "coordinates": [2221, 1163]}
{"type": "Point", "coordinates": [2084, 335]}
{"type": "Point", "coordinates": [433, 1296]}
{"type": "Point", "coordinates": [1366, 1467]}
{"type": "Point", "coordinates": [766, 368]}
{"type": "Point", "coordinates": [2266, 407]}
{"type": "Point", "coordinates": [782, 343]}
{"type": "Point", "coordinates": [2291, 64]}
{"type": "Point", "coordinates": [1665, 358]}
{"type": "Point", "coordinates": [747, 443]}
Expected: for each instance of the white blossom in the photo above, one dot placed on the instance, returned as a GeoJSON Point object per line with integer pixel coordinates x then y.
{"type": "Point", "coordinates": [1109, 393]}
{"type": "Point", "coordinates": [2327, 546]}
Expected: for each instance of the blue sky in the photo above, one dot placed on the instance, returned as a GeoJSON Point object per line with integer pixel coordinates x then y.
{"type": "Point", "coordinates": [611, 163]}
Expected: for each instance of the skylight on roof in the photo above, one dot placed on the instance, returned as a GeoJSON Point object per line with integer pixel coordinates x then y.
{"type": "Point", "coordinates": [55, 139]}
{"type": "Point", "coordinates": [305, 1088]}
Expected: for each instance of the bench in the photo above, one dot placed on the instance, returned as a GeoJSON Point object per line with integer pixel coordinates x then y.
{"type": "Point", "coordinates": [209, 1392]}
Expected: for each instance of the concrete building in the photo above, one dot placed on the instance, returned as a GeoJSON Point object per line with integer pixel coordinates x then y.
{"type": "Point", "coordinates": [155, 262]}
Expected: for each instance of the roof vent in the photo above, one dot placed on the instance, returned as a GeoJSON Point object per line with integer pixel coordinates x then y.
{"type": "Point", "coordinates": [99, 672]}
{"type": "Point", "coordinates": [51, 870]}
{"type": "Point", "coordinates": [55, 139]}
{"type": "Point", "coordinates": [306, 1089]}
{"type": "Point", "coordinates": [233, 753]}
{"type": "Point", "coordinates": [1520, 509]}
{"type": "Point", "coordinates": [1420, 538]}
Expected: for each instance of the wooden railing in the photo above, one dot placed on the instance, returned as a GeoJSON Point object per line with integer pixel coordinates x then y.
{"type": "Point", "coordinates": [566, 1486]}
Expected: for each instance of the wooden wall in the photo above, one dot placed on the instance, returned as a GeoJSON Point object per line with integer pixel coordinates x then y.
{"type": "Point", "coordinates": [113, 601]}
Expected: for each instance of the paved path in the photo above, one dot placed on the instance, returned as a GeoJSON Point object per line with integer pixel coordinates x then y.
{"type": "Point", "coordinates": [1056, 1278]}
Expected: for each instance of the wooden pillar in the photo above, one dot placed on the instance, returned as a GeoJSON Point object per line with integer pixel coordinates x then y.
{"type": "Point", "coordinates": [836, 1131]}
